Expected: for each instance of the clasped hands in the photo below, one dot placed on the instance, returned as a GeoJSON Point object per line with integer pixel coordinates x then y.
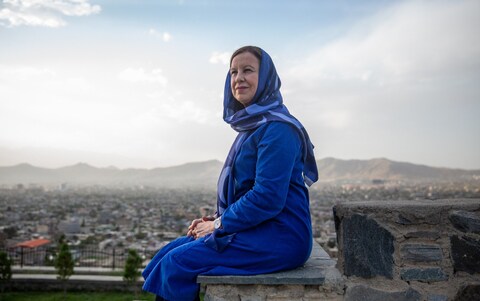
{"type": "Point", "coordinates": [201, 227]}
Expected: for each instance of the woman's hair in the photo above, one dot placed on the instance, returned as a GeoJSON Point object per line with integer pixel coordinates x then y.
{"type": "Point", "coordinates": [256, 51]}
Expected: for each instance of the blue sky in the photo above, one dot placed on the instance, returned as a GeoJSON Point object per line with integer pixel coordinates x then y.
{"type": "Point", "coordinates": [140, 83]}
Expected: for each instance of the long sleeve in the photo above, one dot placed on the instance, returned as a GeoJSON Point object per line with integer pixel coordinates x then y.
{"type": "Point", "coordinates": [278, 149]}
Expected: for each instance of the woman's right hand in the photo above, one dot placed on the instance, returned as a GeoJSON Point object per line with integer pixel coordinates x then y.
{"type": "Point", "coordinates": [193, 225]}
{"type": "Point", "coordinates": [195, 222]}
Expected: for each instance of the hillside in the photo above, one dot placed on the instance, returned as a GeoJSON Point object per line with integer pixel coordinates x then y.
{"type": "Point", "coordinates": [332, 170]}
{"type": "Point", "coordinates": [198, 174]}
{"type": "Point", "coordinates": [205, 174]}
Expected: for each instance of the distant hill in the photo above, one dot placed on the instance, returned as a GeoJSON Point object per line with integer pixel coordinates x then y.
{"type": "Point", "coordinates": [334, 170]}
{"type": "Point", "coordinates": [198, 174]}
{"type": "Point", "coordinates": [205, 174]}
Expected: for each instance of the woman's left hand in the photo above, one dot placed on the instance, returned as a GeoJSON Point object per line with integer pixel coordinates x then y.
{"type": "Point", "coordinates": [203, 229]}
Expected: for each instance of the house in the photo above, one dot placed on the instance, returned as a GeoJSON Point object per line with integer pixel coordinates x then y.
{"type": "Point", "coordinates": [31, 252]}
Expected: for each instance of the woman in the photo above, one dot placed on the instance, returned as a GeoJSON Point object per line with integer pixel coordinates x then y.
{"type": "Point", "coordinates": [262, 224]}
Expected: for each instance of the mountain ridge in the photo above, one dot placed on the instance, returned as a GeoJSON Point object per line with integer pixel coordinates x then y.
{"type": "Point", "coordinates": [205, 173]}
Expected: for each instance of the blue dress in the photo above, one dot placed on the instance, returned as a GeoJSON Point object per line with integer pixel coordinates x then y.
{"type": "Point", "coordinates": [271, 219]}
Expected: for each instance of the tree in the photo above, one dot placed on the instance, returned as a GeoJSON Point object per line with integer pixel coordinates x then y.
{"type": "Point", "coordinates": [5, 270]}
{"type": "Point", "coordinates": [11, 232]}
{"type": "Point", "coordinates": [64, 265]}
{"type": "Point", "coordinates": [132, 269]}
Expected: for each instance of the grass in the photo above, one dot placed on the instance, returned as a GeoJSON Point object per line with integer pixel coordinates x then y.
{"type": "Point", "coordinates": [74, 296]}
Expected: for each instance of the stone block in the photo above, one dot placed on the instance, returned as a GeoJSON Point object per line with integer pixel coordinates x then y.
{"type": "Point", "coordinates": [437, 298]}
{"type": "Point", "coordinates": [417, 217]}
{"type": "Point", "coordinates": [465, 254]}
{"type": "Point", "coordinates": [431, 235]}
{"type": "Point", "coordinates": [253, 298]}
{"type": "Point", "coordinates": [465, 221]}
{"type": "Point", "coordinates": [423, 274]}
{"type": "Point", "coordinates": [284, 291]}
{"type": "Point", "coordinates": [469, 292]}
{"type": "Point", "coordinates": [216, 298]}
{"type": "Point", "coordinates": [222, 293]}
{"type": "Point", "coordinates": [403, 220]}
{"type": "Point", "coordinates": [421, 252]}
{"type": "Point", "coordinates": [367, 247]}
{"type": "Point", "coordinates": [362, 293]}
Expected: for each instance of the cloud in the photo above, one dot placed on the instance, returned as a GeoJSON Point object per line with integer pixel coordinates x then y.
{"type": "Point", "coordinates": [412, 41]}
{"type": "Point", "coordinates": [185, 111]}
{"type": "Point", "coordinates": [220, 58]}
{"type": "Point", "coordinates": [140, 75]}
{"type": "Point", "coordinates": [47, 13]}
{"type": "Point", "coordinates": [22, 73]}
{"type": "Point", "coordinates": [165, 36]}
{"type": "Point", "coordinates": [336, 119]}
{"type": "Point", "coordinates": [398, 83]}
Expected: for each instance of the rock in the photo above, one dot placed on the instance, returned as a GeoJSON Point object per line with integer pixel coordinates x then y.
{"type": "Point", "coordinates": [468, 293]}
{"type": "Point", "coordinates": [465, 221]}
{"type": "Point", "coordinates": [367, 248]}
{"type": "Point", "coordinates": [402, 220]}
{"type": "Point", "coordinates": [362, 293]}
{"type": "Point", "coordinates": [465, 254]}
{"type": "Point", "coordinates": [437, 298]}
{"type": "Point", "coordinates": [431, 235]}
{"type": "Point", "coordinates": [423, 274]}
{"type": "Point", "coordinates": [421, 252]}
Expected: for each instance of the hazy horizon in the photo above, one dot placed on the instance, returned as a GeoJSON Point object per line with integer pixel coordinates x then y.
{"type": "Point", "coordinates": [220, 161]}
{"type": "Point", "coordinates": [139, 84]}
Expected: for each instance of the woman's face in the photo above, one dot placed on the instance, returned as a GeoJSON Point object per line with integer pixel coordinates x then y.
{"type": "Point", "coordinates": [244, 77]}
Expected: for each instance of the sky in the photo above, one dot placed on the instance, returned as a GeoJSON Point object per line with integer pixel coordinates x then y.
{"type": "Point", "coordinates": [139, 84]}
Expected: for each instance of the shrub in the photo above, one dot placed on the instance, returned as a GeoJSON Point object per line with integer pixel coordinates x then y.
{"type": "Point", "coordinates": [64, 264]}
{"type": "Point", "coordinates": [132, 269]}
{"type": "Point", "coordinates": [5, 270]}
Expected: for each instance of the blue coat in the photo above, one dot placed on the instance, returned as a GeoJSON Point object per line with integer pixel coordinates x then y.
{"type": "Point", "coordinates": [271, 219]}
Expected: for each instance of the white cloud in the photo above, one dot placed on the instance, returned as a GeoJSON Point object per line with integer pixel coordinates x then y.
{"type": "Point", "coordinates": [186, 111]}
{"type": "Point", "coordinates": [389, 79]}
{"type": "Point", "coordinates": [140, 75]}
{"type": "Point", "coordinates": [220, 57]}
{"type": "Point", "coordinates": [24, 72]}
{"type": "Point", "coordinates": [411, 41]}
{"type": "Point", "coordinates": [165, 36]}
{"type": "Point", "coordinates": [46, 13]}
{"type": "Point", "coordinates": [336, 119]}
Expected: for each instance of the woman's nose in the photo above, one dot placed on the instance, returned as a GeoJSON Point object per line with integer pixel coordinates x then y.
{"type": "Point", "coordinates": [240, 77]}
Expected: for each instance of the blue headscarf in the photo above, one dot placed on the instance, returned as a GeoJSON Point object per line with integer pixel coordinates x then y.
{"type": "Point", "coordinates": [266, 106]}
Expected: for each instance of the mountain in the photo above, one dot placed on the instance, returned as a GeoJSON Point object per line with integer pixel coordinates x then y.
{"type": "Point", "coordinates": [198, 174]}
{"type": "Point", "coordinates": [205, 174]}
{"type": "Point", "coordinates": [331, 170]}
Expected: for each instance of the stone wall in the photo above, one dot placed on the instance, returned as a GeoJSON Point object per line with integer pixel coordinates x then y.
{"type": "Point", "coordinates": [317, 280]}
{"type": "Point", "coordinates": [409, 250]}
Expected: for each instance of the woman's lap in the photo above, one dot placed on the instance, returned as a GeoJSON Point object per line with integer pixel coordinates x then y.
{"type": "Point", "coordinates": [174, 269]}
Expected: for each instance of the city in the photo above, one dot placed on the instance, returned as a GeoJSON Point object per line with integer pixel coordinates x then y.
{"type": "Point", "coordinates": [146, 218]}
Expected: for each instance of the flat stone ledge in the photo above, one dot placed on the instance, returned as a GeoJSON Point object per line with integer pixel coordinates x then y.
{"type": "Point", "coordinates": [318, 270]}
{"type": "Point", "coordinates": [409, 210]}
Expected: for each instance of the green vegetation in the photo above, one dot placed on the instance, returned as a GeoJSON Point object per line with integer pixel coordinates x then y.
{"type": "Point", "coordinates": [5, 270]}
{"type": "Point", "coordinates": [132, 269]}
{"type": "Point", "coordinates": [64, 264]}
{"type": "Point", "coordinates": [74, 296]}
